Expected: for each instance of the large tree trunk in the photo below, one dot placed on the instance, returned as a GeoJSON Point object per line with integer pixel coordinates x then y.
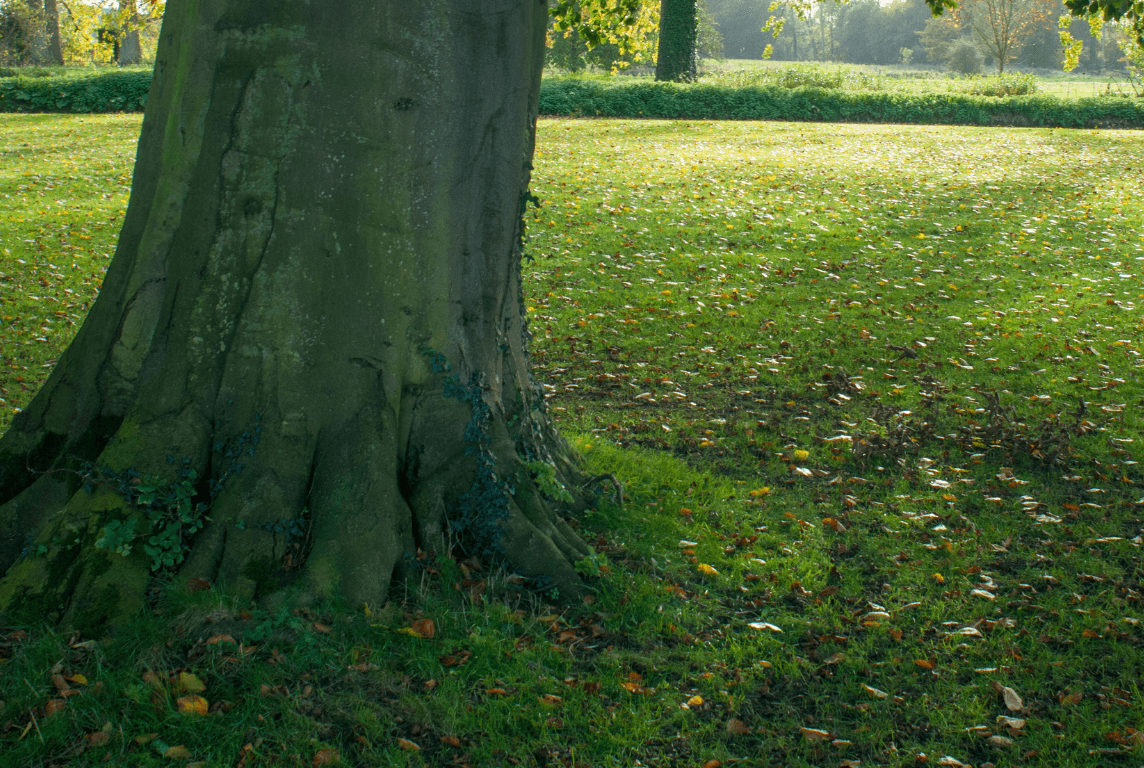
{"type": "Point", "coordinates": [130, 49]}
{"type": "Point", "coordinates": [55, 44]}
{"type": "Point", "coordinates": [678, 56]}
{"type": "Point", "coordinates": [313, 322]}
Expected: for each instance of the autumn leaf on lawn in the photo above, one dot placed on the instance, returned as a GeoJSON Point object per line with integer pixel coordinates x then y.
{"type": "Point", "coordinates": [695, 701]}
{"type": "Point", "coordinates": [424, 627]}
{"type": "Point", "coordinates": [192, 705]}
{"type": "Point", "coordinates": [877, 694]}
{"type": "Point", "coordinates": [926, 663]}
{"type": "Point", "coordinates": [216, 639]}
{"type": "Point", "coordinates": [53, 706]}
{"type": "Point", "coordinates": [189, 683]}
{"type": "Point", "coordinates": [814, 734]}
{"type": "Point", "coordinates": [98, 738]}
{"type": "Point", "coordinates": [178, 752]}
{"type": "Point", "coordinates": [408, 745]}
{"type": "Point", "coordinates": [496, 692]}
{"type": "Point", "coordinates": [706, 569]}
{"type": "Point", "coordinates": [324, 757]}
{"type": "Point", "coordinates": [78, 679]}
{"type": "Point", "coordinates": [451, 741]}
{"type": "Point", "coordinates": [765, 625]}
{"type": "Point", "coordinates": [737, 727]}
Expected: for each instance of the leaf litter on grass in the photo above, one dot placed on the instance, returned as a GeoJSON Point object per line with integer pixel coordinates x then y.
{"type": "Point", "coordinates": [869, 393]}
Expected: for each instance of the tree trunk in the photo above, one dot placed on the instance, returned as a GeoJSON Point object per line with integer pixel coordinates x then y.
{"type": "Point", "coordinates": [130, 49]}
{"type": "Point", "coordinates": [678, 57]}
{"type": "Point", "coordinates": [313, 322]}
{"type": "Point", "coordinates": [55, 52]}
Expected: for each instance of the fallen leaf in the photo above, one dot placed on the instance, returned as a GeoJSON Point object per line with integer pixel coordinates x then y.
{"type": "Point", "coordinates": [926, 663]}
{"type": "Point", "coordinates": [53, 706]}
{"type": "Point", "coordinates": [189, 683]}
{"type": "Point", "coordinates": [1072, 698]}
{"type": "Point", "coordinates": [60, 683]}
{"type": "Point", "coordinates": [98, 739]}
{"type": "Point", "coordinates": [145, 738]}
{"type": "Point", "coordinates": [78, 679]}
{"type": "Point", "coordinates": [216, 639]}
{"type": "Point", "coordinates": [496, 692]}
{"type": "Point", "coordinates": [950, 761]}
{"type": "Point", "coordinates": [706, 569]}
{"type": "Point", "coordinates": [1016, 723]}
{"type": "Point", "coordinates": [712, 764]}
{"type": "Point", "coordinates": [695, 701]}
{"type": "Point", "coordinates": [424, 628]}
{"type": "Point", "coordinates": [813, 734]}
{"type": "Point", "coordinates": [408, 745]}
{"type": "Point", "coordinates": [178, 752]}
{"type": "Point", "coordinates": [1012, 700]}
{"type": "Point", "coordinates": [877, 694]}
{"type": "Point", "coordinates": [324, 757]}
{"type": "Point", "coordinates": [999, 742]}
{"type": "Point", "coordinates": [451, 741]}
{"type": "Point", "coordinates": [764, 625]}
{"type": "Point", "coordinates": [198, 585]}
{"type": "Point", "coordinates": [737, 727]}
{"type": "Point", "coordinates": [322, 628]}
{"type": "Point", "coordinates": [192, 705]}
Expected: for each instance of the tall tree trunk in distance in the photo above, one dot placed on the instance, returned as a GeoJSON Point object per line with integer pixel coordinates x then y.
{"type": "Point", "coordinates": [313, 322]}
{"type": "Point", "coordinates": [55, 52]}
{"type": "Point", "coordinates": [678, 57]}
{"type": "Point", "coordinates": [130, 49]}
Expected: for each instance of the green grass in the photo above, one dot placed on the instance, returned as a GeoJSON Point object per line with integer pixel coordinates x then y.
{"type": "Point", "coordinates": [821, 359]}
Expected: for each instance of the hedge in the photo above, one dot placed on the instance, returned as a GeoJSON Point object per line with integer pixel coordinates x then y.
{"type": "Point", "coordinates": [108, 91]}
{"type": "Point", "coordinates": [641, 99]}
{"type": "Point", "coordinates": [118, 91]}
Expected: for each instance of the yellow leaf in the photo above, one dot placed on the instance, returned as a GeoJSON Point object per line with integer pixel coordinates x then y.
{"type": "Point", "coordinates": [695, 701]}
{"type": "Point", "coordinates": [189, 683]}
{"type": "Point", "coordinates": [78, 679]}
{"type": "Point", "coordinates": [760, 491]}
{"type": "Point", "coordinates": [800, 455]}
{"type": "Point", "coordinates": [192, 705]}
{"type": "Point", "coordinates": [706, 569]}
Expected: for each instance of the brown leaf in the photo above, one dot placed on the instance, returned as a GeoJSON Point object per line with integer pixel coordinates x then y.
{"type": "Point", "coordinates": [814, 734]}
{"type": "Point", "coordinates": [1012, 701]}
{"type": "Point", "coordinates": [178, 752]}
{"type": "Point", "coordinates": [60, 684]}
{"type": "Point", "coordinates": [496, 692]}
{"type": "Point", "coordinates": [408, 745]}
{"type": "Point", "coordinates": [216, 639]}
{"type": "Point", "coordinates": [322, 628]}
{"type": "Point", "coordinates": [451, 741]}
{"type": "Point", "coordinates": [425, 628]}
{"type": "Point", "coordinates": [198, 585]}
{"type": "Point", "coordinates": [98, 739]}
{"type": "Point", "coordinates": [53, 706]}
{"type": "Point", "coordinates": [1072, 698]}
{"type": "Point", "coordinates": [926, 663]}
{"type": "Point", "coordinates": [737, 727]}
{"type": "Point", "coordinates": [324, 757]}
{"type": "Point", "coordinates": [712, 764]}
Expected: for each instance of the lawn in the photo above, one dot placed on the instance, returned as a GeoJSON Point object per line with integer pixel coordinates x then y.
{"type": "Point", "coordinates": [873, 394]}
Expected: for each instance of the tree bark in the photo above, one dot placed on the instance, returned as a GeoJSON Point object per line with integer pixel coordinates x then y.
{"type": "Point", "coordinates": [678, 57]}
{"type": "Point", "coordinates": [130, 49]}
{"type": "Point", "coordinates": [55, 44]}
{"type": "Point", "coordinates": [313, 321]}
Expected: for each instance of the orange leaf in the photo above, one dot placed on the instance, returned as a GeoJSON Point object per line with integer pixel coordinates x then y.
{"type": "Point", "coordinates": [695, 701]}
{"type": "Point", "coordinates": [496, 692]}
{"type": "Point", "coordinates": [192, 705]}
{"type": "Point", "coordinates": [424, 627]}
{"type": "Point", "coordinates": [451, 741]}
{"type": "Point", "coordinates": [216, 639]}
{"type": "Point", "coordinates": [322, 628]}
{"type": "Point", "coordinates": [53, 706]}
{"type": "Point", "coordinates": [712, 764]}
{"type": "Point", "coordinates": [324, 757]}
{"type": "Point", "coordinates": [925, 663]}
{"type": "Point", "coordinates": [408, 745]}
{"type": "Point", "coordinates": [60, 684]}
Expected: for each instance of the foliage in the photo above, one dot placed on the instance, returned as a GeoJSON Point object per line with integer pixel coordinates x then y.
{"type": "Point", "coordinates": [90, 30]}
{"type": "Point", "coordinates": [616, 47]}
{"type": "Point", "coordinates": [999, 26]}
{"type": "Point", "coordinates": [964, 58]}
{"type": "Point", "coordinates": [83, 92]}
{"type": "Point", "coordinates": [595, 98]}
{"type": "Point", "coordinates": [1003, 85]}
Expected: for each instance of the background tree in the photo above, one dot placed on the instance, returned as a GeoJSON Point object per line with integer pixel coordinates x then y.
{"type": "Point", "coordinates": [678, 52]}
{"type": "Point", "coordinates": [1001, 27]}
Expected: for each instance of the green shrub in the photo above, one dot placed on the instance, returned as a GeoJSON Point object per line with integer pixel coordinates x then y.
{"type": "Point", "coordinates": [101, 91]}
{"type": "Point", "coordinates": [577, 97]}
{"type": "Point", "coordinates": [1003, 85]}
{"type": "Point", "coordinates": [964, 58]}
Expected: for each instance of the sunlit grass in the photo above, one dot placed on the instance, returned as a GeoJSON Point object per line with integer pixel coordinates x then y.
{"type": "Point", "coordinates": [722, 313]}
